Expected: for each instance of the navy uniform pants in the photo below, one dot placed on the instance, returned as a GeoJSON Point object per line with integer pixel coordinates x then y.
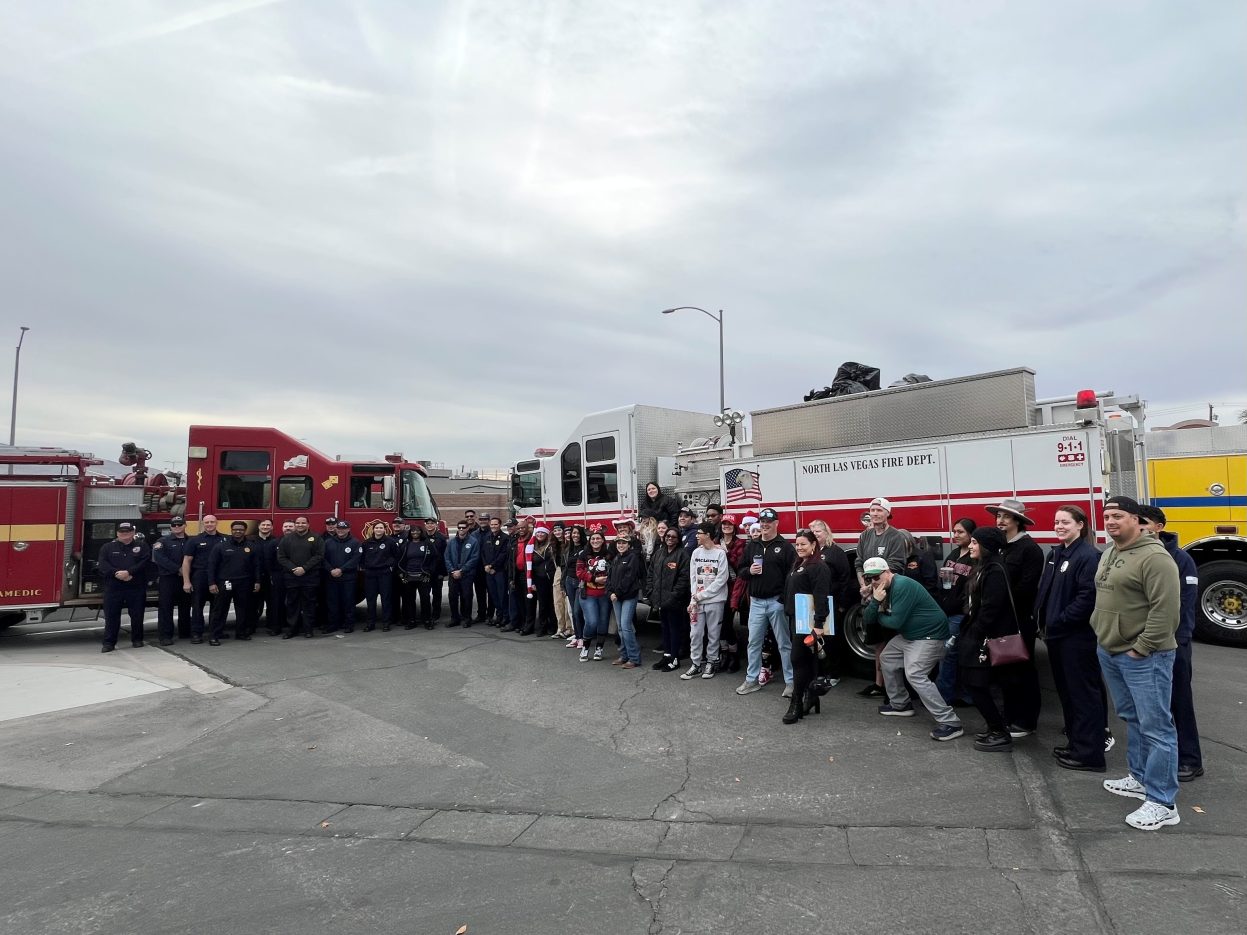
{"type": "Point", "coordinates": [1183, 707]}
{"type": "Point", "coordinates": [1080, 686]}
{"type": "Point", "coordinates": [171, 597]}
{"type": "Point", "coordinates": [132, 596]}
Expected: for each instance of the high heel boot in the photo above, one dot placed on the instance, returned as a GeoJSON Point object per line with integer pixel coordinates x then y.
{"type": "Point", "coordinates": [795, 711]}
{"type": "Point", "coordinates": [812, 703]}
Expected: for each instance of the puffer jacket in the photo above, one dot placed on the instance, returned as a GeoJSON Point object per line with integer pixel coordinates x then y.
{"type": "Point", "coordinates": [669, 579]}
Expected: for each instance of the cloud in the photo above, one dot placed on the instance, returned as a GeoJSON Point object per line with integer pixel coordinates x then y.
{"type": "Point", "coordinates": [451, 227]}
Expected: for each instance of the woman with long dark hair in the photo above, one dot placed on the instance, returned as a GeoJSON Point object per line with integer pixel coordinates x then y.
{"type": "Point", "coordinates": [989, 614]}
{"type": "Point", "coordinates": [417, 562]}
{"type": "Point", "coordinates": [954, 575]}
{"type": "Point", "coordinates": [811, 576]}
{"type": "Point", "coordinates": [592, 569]}
{"type": "Point", "coordinates": [1063, 616]}
{"type": "Point", "coordinates": [574, 546]}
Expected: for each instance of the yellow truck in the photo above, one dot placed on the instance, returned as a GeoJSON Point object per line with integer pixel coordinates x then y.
{"type": "Point", "coordinates": [1198, 476]}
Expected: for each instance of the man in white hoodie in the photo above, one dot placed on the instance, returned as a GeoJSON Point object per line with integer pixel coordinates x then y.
{"type": "Point", "coordinates": [708, 571]}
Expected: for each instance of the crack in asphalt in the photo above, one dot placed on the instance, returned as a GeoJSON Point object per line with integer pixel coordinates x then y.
{"type": "Point", "coordinates": [642, 688]}
{"type": "Point", "coordinates": [1049, 819]}
{"type": "Point", "coordinates": [654, 903]}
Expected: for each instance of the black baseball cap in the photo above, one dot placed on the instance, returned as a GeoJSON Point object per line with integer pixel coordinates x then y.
{"type": "Point", "coordinates": [177, 521]}
{"type": "Point", "coordinates": [342, 524]}
{"type": "Point", "coordinates": [767, 516]}
{"type": "Point", "coordinates": [399, 520]}
{"type": "Point", "coordinates": [331, 521]}
{"type": "Point", "coordinates": [689, 510]}
{"type": "Point", "coordinates": [1153, 514]}
{"type": "Point", "coordinates": [1125, 504]}
{"type": "Point", "coordinates": [125, 527]}
{"type": "Point", "coordinates": [511, 523]}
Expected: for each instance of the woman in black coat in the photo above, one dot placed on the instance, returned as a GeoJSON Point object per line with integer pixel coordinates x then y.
{"type": "Point", "coordinates": [418, 562]}
{"type": "Point", "coordinates": [1063, 616]}
{"type": "Point", "coordinates": [810, 575]}
{"type": "Point", "coordinates": [989, 614]}
{"type": "Point", "coordinates": [662, 507]}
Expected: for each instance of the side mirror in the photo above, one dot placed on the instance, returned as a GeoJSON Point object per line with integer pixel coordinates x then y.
{"type": "Point", "coordinates": [387, 493]}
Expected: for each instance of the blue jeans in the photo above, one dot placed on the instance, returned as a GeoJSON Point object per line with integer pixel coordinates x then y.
{"type": "Point", "coordinates": [625, 611]}
{"type": "Point", "coordinates": [1141, 690]}
{"type": "Point", "coordinates": [571, 587]}
{"type": "Point", "coordinates": [597, 617]}
{"type": "Point", "coordinates": [946, 681]}
{"type": "Point", "coordinates": [764, 611]}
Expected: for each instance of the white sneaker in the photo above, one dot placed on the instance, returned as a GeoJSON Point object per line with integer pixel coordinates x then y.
{"type": "Point", "coordinates": [1109, 740]}
{"type": "Point", "coordinates": [787, 692]}
{"type": "Point", "coordinates": [748, 687]}
{"type": "Point", "coordinates": [597, 654]}
{"type": "Point", "coordinates": [1151, 816]}
{"type": "Point", "coordinates": [1128, 786]}
{"type": "Point", "coordinates": [584, 655]}
{"type": "Point", "coordinates": [707, 670]}
{"type": "Point", "coordinates": [571, 643]}
{"type": "Point", "coordinates": [693, 671]}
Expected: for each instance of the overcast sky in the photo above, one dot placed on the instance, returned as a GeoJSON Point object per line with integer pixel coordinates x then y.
{"type": "Point", "coordinates": [449, 228]}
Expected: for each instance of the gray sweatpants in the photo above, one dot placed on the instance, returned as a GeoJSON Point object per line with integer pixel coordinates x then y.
{"type": "Point", "coordinates": [709, 623]}
{"type": "Point", "coordinates": [914, 660]}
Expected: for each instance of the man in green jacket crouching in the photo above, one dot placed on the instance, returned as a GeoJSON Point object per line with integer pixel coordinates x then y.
{"type": "Point", "coordinates": [902, 604]}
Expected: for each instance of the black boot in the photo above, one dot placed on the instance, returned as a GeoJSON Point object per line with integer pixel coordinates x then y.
{"type": "Point", "coordinates": [813, 703]}
{"type": "Point", "coordinates": [794, 712]}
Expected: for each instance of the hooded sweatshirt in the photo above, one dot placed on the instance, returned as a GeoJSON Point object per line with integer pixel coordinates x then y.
{"type": "Point", "coordinates": [1137, 598]}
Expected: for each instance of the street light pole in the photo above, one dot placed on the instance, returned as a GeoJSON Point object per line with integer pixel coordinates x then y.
{"type": "Point", "coordinates": [17, 363]}
{"type": "Point", "coordinates": [717, 318]}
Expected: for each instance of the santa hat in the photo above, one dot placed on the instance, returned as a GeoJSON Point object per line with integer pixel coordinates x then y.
{"type": "Point", "coordinates": [541, 531]}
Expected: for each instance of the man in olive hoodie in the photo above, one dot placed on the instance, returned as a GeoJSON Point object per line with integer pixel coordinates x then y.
{"type": "Point", "coordinates": [1136, 615]}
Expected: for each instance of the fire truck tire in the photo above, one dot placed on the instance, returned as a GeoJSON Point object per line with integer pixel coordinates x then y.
{"type": "Point", "coordinates": [1222, 613]}
{"type": "Point", "coordinates": [8, 620]}
{"type": "Point", "coordinates": [855, 651]}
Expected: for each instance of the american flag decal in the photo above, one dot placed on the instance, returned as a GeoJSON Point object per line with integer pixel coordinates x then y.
{"type": "Point", "coordinates": [742, 486]}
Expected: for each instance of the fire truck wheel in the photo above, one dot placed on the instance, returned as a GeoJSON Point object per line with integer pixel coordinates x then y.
{"type": "Point", "coordinates": [8, 620]}
{"type": "Point", "coordinates": [1222, 613]}
{"type": "Point", "coordinates": [857, 652]}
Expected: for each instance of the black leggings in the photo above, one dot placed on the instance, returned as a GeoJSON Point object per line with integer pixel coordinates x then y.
{"type": "Point", "coordinates": [804, 664]}
{"type": "Point", "coordinates": [981, 695]}
{"type": "Point", "coordinates": [412, 592]}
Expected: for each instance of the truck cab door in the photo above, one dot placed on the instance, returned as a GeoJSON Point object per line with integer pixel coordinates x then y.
{"type": "Point", "coordinates": [32, 543]}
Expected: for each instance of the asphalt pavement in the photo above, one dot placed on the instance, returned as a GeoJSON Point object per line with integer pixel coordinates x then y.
{"type": "Point", "coordinates": [419, 782]}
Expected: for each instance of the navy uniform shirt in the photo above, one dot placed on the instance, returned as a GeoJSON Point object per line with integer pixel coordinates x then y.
{"type": "Point", "coordinates": [234, 561]}
{"type": "Point", "coordinates": [199, 550]}
{"type": "Point", "coordinates": [168, 554]}
{"type": "Point", "coordinates": [379, 555]}
{"type": "Point", "coordinates": [116, 556]}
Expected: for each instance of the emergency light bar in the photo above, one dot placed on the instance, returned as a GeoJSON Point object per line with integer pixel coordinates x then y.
{"type": "Point", "coordinates": [1086, 399]}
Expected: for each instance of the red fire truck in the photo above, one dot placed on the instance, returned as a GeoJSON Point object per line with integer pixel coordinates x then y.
{"type": "Point", "coordinates": [57, 510]}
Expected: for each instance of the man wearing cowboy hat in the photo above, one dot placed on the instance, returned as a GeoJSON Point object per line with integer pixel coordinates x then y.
{"type": "Point", "coordinates": [1023, 560]}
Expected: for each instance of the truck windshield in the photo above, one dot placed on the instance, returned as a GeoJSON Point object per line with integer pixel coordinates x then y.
{"type": "Point", "coordinates": [417, 502]}
{"type": "Point", "coordinates": [526, 490]}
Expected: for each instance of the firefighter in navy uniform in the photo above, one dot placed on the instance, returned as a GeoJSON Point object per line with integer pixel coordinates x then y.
{"type": "Point", "coordinates": [399, 527]}
{"type": "Point", "coordinates": [167, 554]}
{"type": "Point", "coordinates": [123, 566]}
{"type": "Point", "coordinates": [322, 596]}
{"type": "Point", "coordinates": [233, 575]}
{"type": "Point", "coordinates": [439, 575]}
{"type": "Point", "coordinates": [342, 552]}
{"type": "Point", "coordinates": [300, 554]}
{"type": "Point", "coordinates": [195, 572]}
{"type": "Point", "coordinates": [263, 542]}
{"type": "Point", "coordinates": [378, 555]}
